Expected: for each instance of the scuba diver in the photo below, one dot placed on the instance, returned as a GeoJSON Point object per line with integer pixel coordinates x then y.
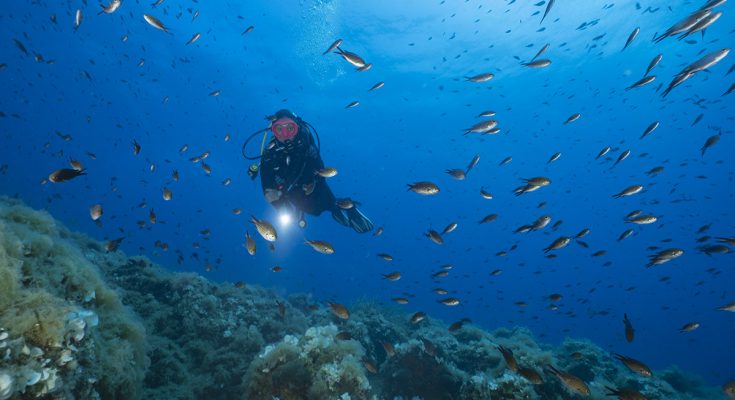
{"type": "Point", "coordinates": [288, 173]}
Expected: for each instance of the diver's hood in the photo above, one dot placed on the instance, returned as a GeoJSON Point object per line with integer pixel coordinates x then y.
{"type": "Point", "coordinates": [284, 113]}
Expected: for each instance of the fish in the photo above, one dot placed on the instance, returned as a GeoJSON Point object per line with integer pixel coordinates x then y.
{"type": "Point", "coordinates": [111, 7]}
{"type": "Point", "coordinates": [418, 317]}
{"type": "Point", "coordinates": [625, 394]}
{"type": "Point", "coordinates": [584, 232]}
{"type": "Point", "coordinates": [506, 160]}
{"type": "Point", "coordinates": [152, 218]}
{"type": "Point", "coordinates": [629, 331]}
{"type": "Point", "coordinates": [351, 58]}
{"type": "Point", "coordinates": [65, 174]}
{"type": "Point", "coordinates": [353, 104]}
{"type": "Point", "coordinates": [434, 236]}
{"type": "Point", "coordinates": [571, 382]}
{"type": "Point", "coordinates": [489, 218]}
{"type": "Point", "coordinates": [642, 220]}
{"type": "Point", "coordinates": [194, 38]}
{"type": "Point", "coordinates": [729, 90]}
{"type": "Point", "coordinates": [392, 276]}
{"type": "Point", "coordinates": [247, 30]}
{"type": "Point", "coordinates": [370, 366]}
{"type": "Point", "coordinates": [400, 300]}
{"type": "Point", "coordinates": [654, 62]}
{"type": "Point", "coordinates": [390, 350]}
{"type": "Point", "coordinates": [572, 118]}
{"type": "Point", "coordinates": [249, 244]}
{"type": "Point", "coordinates": [711, 141]}
{"type": "Point", "coordinates": [473, 163]}
{"type": "Point", "coordinates": [554, 157]}
{"type": "Point", "coordinates": [629, 191]}
{"type": "Point", "coordinates": [482, 127]}
{"type": "Point", "coordinates": [689, 327]}
{"type": "Point", "coordinates": [449, 301]}
{"type": "Point", "coordinates": [423, 188]}
{"type": "Point", "coordinates": [154, 22]}
{"type": "Point", "coordinates": [264, 228]}
{"type": "Point", "coordinates": [652, 127]}
{"type": "Point", "coordinates": [339, 310]}
{"type": "Point", "coordinates": [486, 114]}
{"type": "Point", "coordinates": [548, 8]}
{"type": "Point", "coordinates": [377, 86]}
{"type": "Point", "coordinates": [345, 204]}
{"type": "Point", "coordinates": [621, 157]}
{"type": "Point", "coordinates": [320, 246]}
{"type": "Point", "coordinates": [542, 51]}
{"type": "Point", "coordinates": [78, 17]}
{"type": "Point", "coordinates": [113, 245]}
{"type": "Point", "coordinates": [95, 212]}
{"type": "Point", "coordinates": [385, 256]}
{"type": "Point", "coordinates": [625, 234]}
{"type": "Point", "coordinates": [557, 244]}
{"type": "Point", "coordinates": [664, 256]}
{"type": "Point", "coordinates": [701, 25]}
{"type": "Point", "coordinates": [456, 173]}
{"type": "Point", "coordinates": [542, 63]}
{"type": "Point", "coordinates": [510, 360]}
{"type": "Point", "coordinates": [449, 228]}
{"type": "Point", "coordinates": [136, 147]}
{"type": "Point", "coordinates": [333, 46]}
{"type": "Point", "coordinates": [326, 172]}
{"type": "Point", "coordinates": [706, 62]}
{"type": "Point", "coordinates": [167, 194]}
{"type": "Point", "coordinates": [378, 231]}
{"type": "Point", "coordinates": [485, 194]}
{"type": "Point", "coordinates": [631, 37]}
{"type": "Point", "coordinates": [483, 77]}
{"type": "Point", "coordinates": [603, 152]}
{"type": "Point", "coordinates": [730, 307]}
{"type": "Point", "coordinates": [538, 181]}
{"type": "Point", "coordinates": [634, 365]}
{"type": "Point", "coordinates": [458, 325]}
{"type": "Point", "coordinates": [683, 25]}
{"type": "Point", "coordinates": [642, 82]}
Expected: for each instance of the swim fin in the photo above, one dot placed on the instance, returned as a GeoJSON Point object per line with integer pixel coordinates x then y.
{"type": "Point", "coordinates": [340, 216]}
{"type": "Point", "coordinates": [358, 221]}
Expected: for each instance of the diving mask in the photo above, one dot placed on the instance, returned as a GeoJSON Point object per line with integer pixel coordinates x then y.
{"type": "Point", "coordinates": [284, 129]}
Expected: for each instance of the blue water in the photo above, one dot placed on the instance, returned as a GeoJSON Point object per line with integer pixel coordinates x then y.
{"type": "Point", "coordinates": [409, 130]}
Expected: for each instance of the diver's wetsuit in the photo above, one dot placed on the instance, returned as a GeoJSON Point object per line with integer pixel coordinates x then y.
{"type": "Point", "coordinates": [288, 171]}
{"type": "Point", "coordinates": [289, 179]}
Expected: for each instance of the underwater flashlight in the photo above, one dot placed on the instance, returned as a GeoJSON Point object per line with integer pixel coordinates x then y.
{"type": "Point", "coordinates": [284, 218]}
{"type": "Point", "coordinates": [253, 171]}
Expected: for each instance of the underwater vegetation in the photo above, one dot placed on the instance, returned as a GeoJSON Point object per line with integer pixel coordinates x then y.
{"type": "Point", "coordinates": [79, 322]}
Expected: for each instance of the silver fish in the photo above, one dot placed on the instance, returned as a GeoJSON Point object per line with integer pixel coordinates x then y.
{"type": "Point", "coordinates": [702, 24]}
{"type": "Point", "coordinates": [642, 82]}
{"type": "Point", "coordinates": [154, 22]}
{"type": "Point", "coordinates": [683, 25]}
{"type": "Point", "coordinates": [650, 129]}
{"type": "Point", "coordinates": [548, 8]}
{"type": "Point", "coordinates": [631, 37]}
{"type": "Point", "coordinates": [543, 63]}
{"type": "Point", "coordinates": [542, 51]}
{"type": "Point", "coordinates": [484, 77]}
{"type": "Point", "coordinates": [654, 62]}
{"type": "Point", "coordinates": [333, 46]}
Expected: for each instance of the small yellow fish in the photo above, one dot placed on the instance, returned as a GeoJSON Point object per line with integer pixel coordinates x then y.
{"type": "Point", "coordinates": [320, 246]}
{"type": "Point", "coordinates": [265, 229]}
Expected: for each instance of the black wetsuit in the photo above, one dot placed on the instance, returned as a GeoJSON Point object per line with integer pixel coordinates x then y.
{"type": "Point", "coordinates": [288, 174]}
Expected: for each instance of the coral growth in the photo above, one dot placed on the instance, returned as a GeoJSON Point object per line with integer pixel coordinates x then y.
{"type": "Point", "coordinates": [79, 322]}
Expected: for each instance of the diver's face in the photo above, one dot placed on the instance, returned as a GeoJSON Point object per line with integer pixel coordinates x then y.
{"type": "Point", "coordinates": [284, 129]}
